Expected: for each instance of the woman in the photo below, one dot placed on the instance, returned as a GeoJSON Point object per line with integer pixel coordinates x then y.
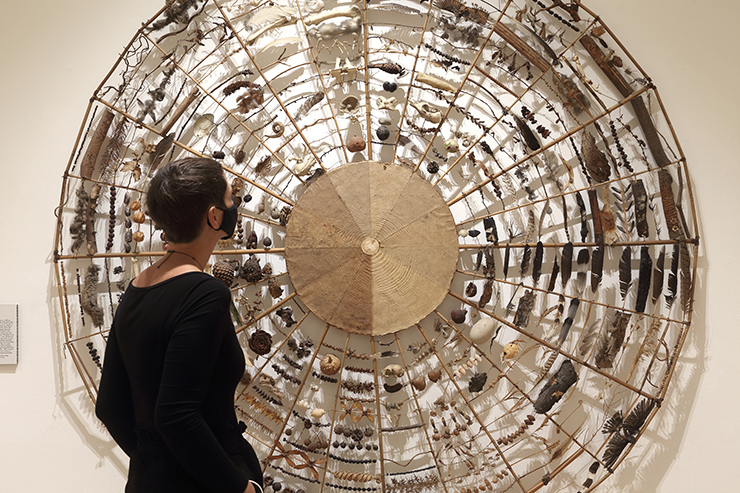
{"type": "Point", "coordinates": [173, 362]}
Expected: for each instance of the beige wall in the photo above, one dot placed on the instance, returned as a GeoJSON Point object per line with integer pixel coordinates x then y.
{"type": "Point", "coordinates": [54, 53]}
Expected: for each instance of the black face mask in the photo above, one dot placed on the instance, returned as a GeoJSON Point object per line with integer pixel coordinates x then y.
{"type": "Point", "coordinates": [228, 224]}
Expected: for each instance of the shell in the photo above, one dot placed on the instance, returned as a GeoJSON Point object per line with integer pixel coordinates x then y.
{"type": "Point", "coordinates": [356, 144]}
{"type": "Point", "coordinates": [349, 104]}
{"type": "Point", "coordinates": [483, 330]}
{"type": "Point", "coordinates": [317, 413]}
{"type": "Point", "coordinates": [451, 145]}
{"type": "Point", "coordinates": [330, 364]}
{"type": "Point", "coordinates": [203, 125]}
{"type": "Point", "coordinates": [385, 120]}
{"type": "Point", "coordinates": [434, 375]}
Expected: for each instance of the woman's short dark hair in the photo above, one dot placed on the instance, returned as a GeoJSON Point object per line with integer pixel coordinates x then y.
{"type": "Point", "coordinates": [181, 193]}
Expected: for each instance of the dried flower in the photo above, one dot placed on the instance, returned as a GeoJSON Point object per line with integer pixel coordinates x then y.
{"type": "Point", "coordinates": [260, 342]}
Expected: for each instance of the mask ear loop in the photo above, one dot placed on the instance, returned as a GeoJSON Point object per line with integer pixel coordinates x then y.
{"type": "Point", "coordinates": [257, 486]}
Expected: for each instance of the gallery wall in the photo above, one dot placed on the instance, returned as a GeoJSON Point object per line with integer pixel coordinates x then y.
{"type": "Point", "coordinates": [52, 56]}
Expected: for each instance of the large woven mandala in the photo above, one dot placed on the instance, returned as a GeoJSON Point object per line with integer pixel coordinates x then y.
{"type": "Point", "coordinates": [466, 246]}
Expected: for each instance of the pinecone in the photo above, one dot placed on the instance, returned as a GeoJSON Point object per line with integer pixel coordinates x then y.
{"type": "Point", "coordinates": [251, 270]}
{"type": "Point", "coordinates": [224, 272]}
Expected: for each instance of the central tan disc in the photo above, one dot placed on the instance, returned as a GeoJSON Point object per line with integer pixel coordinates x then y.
{"type": "Point", "coordinates": [371, 248]}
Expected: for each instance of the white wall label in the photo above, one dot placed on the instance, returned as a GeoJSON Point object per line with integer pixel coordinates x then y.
{"type": "Point", "coordinates": [8, 334]}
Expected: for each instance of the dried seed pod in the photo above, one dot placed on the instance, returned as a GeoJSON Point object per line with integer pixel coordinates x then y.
{"type": "Point", "coordinates": [356, 144]}
{"type": "Point", "coordinates": [135, 205]}
{"type": "Point", "coordinates": [139, 217]}
{"type": "Point", "coordinates": [434, 375]}
{"type": "Point", "coordinates": [224, 272]}
{"type": "Point", "coordinates": [471, 290]}
{"type": "Point", "coordinates": [138, 236]}
{"type": "Point", "coordinates": [276, 290]}
{"type": "Point", "coordinates": [382, 132]}
{"type": "Point", "coordinates": [458, 315]}
{"type": "Point", "coordinates": [419, 383]}
{"type": "Point", "coordinates": [483, 330]}
{"type": "Point", "coordinates": [477, 381]}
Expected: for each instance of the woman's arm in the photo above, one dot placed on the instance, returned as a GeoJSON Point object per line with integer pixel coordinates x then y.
{"type": "Point", "coordinates": [114, 406]}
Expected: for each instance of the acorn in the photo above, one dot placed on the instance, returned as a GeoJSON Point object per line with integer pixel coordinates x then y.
{"type": "Point", "coordinates": [390, 86]}
{"type": "Point", "coordinates": [458, 315]}
{"type": "Point", "coordinates": [383, 133]}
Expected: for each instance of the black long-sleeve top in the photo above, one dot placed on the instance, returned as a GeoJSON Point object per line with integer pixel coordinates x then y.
{"type": "Point", "coordinates": [171, 367]}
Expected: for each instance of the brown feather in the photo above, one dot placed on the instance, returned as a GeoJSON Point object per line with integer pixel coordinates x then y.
{"type": "Point", "coordinates": [566, 267]}
{"type": "Point", "coordinates": [596, 161]}
{"type": "Point", "coordinates": [643, 283]}
{"type": "Point", "coordinates": [611, 341]}
{"type": "Point", "coordinates": [658, 272]}
{"type": "Point", "coordinates": [641, 199]}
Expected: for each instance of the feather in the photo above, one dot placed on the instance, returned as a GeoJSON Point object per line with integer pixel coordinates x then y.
{"type": "Point", "coordinates": [593, 200]}
{"type": "Point", "coordinates": [308, 104]}
{"type": "Point", "coordinates": [611, 341]}
{"type": "Point", "coordinates": [587, 341]}
{"type": "Point", "coordinates": [640, 196]}
{"type": "Point", "coordinates": [531, 227]}
{"type": "Point", "coordinates": [507, 254]}
{"type": "Point", "coordinates": [539, 253]}
{"type": "Point", "coordinates": [566, 267]}
{"type": "Point", "coordinates": [596, 162]}
{"type": "Point", "coordinates": [650, 343]}
{"type": "Point", "coordinates": [572, 310]}
{"type": "Point", "coordinates": [658, 276]}
{"type": "Point", "coordinates": [556, 322]}
{"type": "Point", "coordinates": [637, 417]}
{"type": "Point", "coordinates": [565, 218]}
{"type": "Point", "coordinates": [597, 268]}
{"type": "Point", "coordinates": [624, 201]}
{"type": "Point", "coordinates": [489, 225]}
{"type": "Point", "coordinates": [625, 271]}
{"type": "Point", "coordinates": [160, 151]}
{"type": "Point", "coordinates": [526, 303]}
{"type": "Point", "coordinates": [553, 275]}
{"type": "Point", "coordinates": [584, 222]}
{"type": "Point", "coordinates": [672, 278]}
{"type": "Point", "coordinates": [685, 275]}
{"type": "Point", "coordinates": [608, 224]}
{"type": "Point", "coordinates": [643, 283]}
{"type": "Point", "coordinates": [613, 424]}
{"type": "Point", "coordinates": [614, 448]}
{"type": "Point", "coordinates": [526, 256]}
{"type": "Point", "coordinates": [582, 269]}
{"type": "Point", "coordinates": [541, 224]}
{"type": "Point", "coordinates": [529, 137]}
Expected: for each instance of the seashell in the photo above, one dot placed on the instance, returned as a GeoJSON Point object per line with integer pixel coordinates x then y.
{"type": "Point", "coordinates": [356, 144]}
{"type": "Point", "coordinates": [458, 315]}
{"type": "Point", "coordinates": [383, 133]}
{"type": "Point", "coordinates": [139, 217]}
{"type": "Point", "coordinates": [427, 111]}
{"type": "Point", "coordinates": [385, 120]}
{"type": "Point", "coordinates": [138, 236]}
{"type": "Point", "coordinates": [317, 413]}
{"type": "Point", "coordinates": [389, 86]}
{"type": "Point", "coordinates": [482, 330]}
{"type": "Point", "coordinates": [419, 383]}
{"type": "Point", "coordinates": [330, 364]}
{"type": "Point", "coordinates": [393, 371]}
{"type": "Point", "coordinates": [434, 375]}
{"type": "Point", "coordinates": [303, 403]}
{"type": "Point", "coordinates": [203, 125]}
{"type": "Point", "coordinates": [277, 130]}
{"type": "Point", "coordinates": [451, 145]}
{"type": "Point", "coordinates": [349, 104]}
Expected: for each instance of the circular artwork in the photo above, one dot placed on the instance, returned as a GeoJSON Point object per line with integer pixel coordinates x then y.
{"type": "Point", "coordinates": [466, 245]}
